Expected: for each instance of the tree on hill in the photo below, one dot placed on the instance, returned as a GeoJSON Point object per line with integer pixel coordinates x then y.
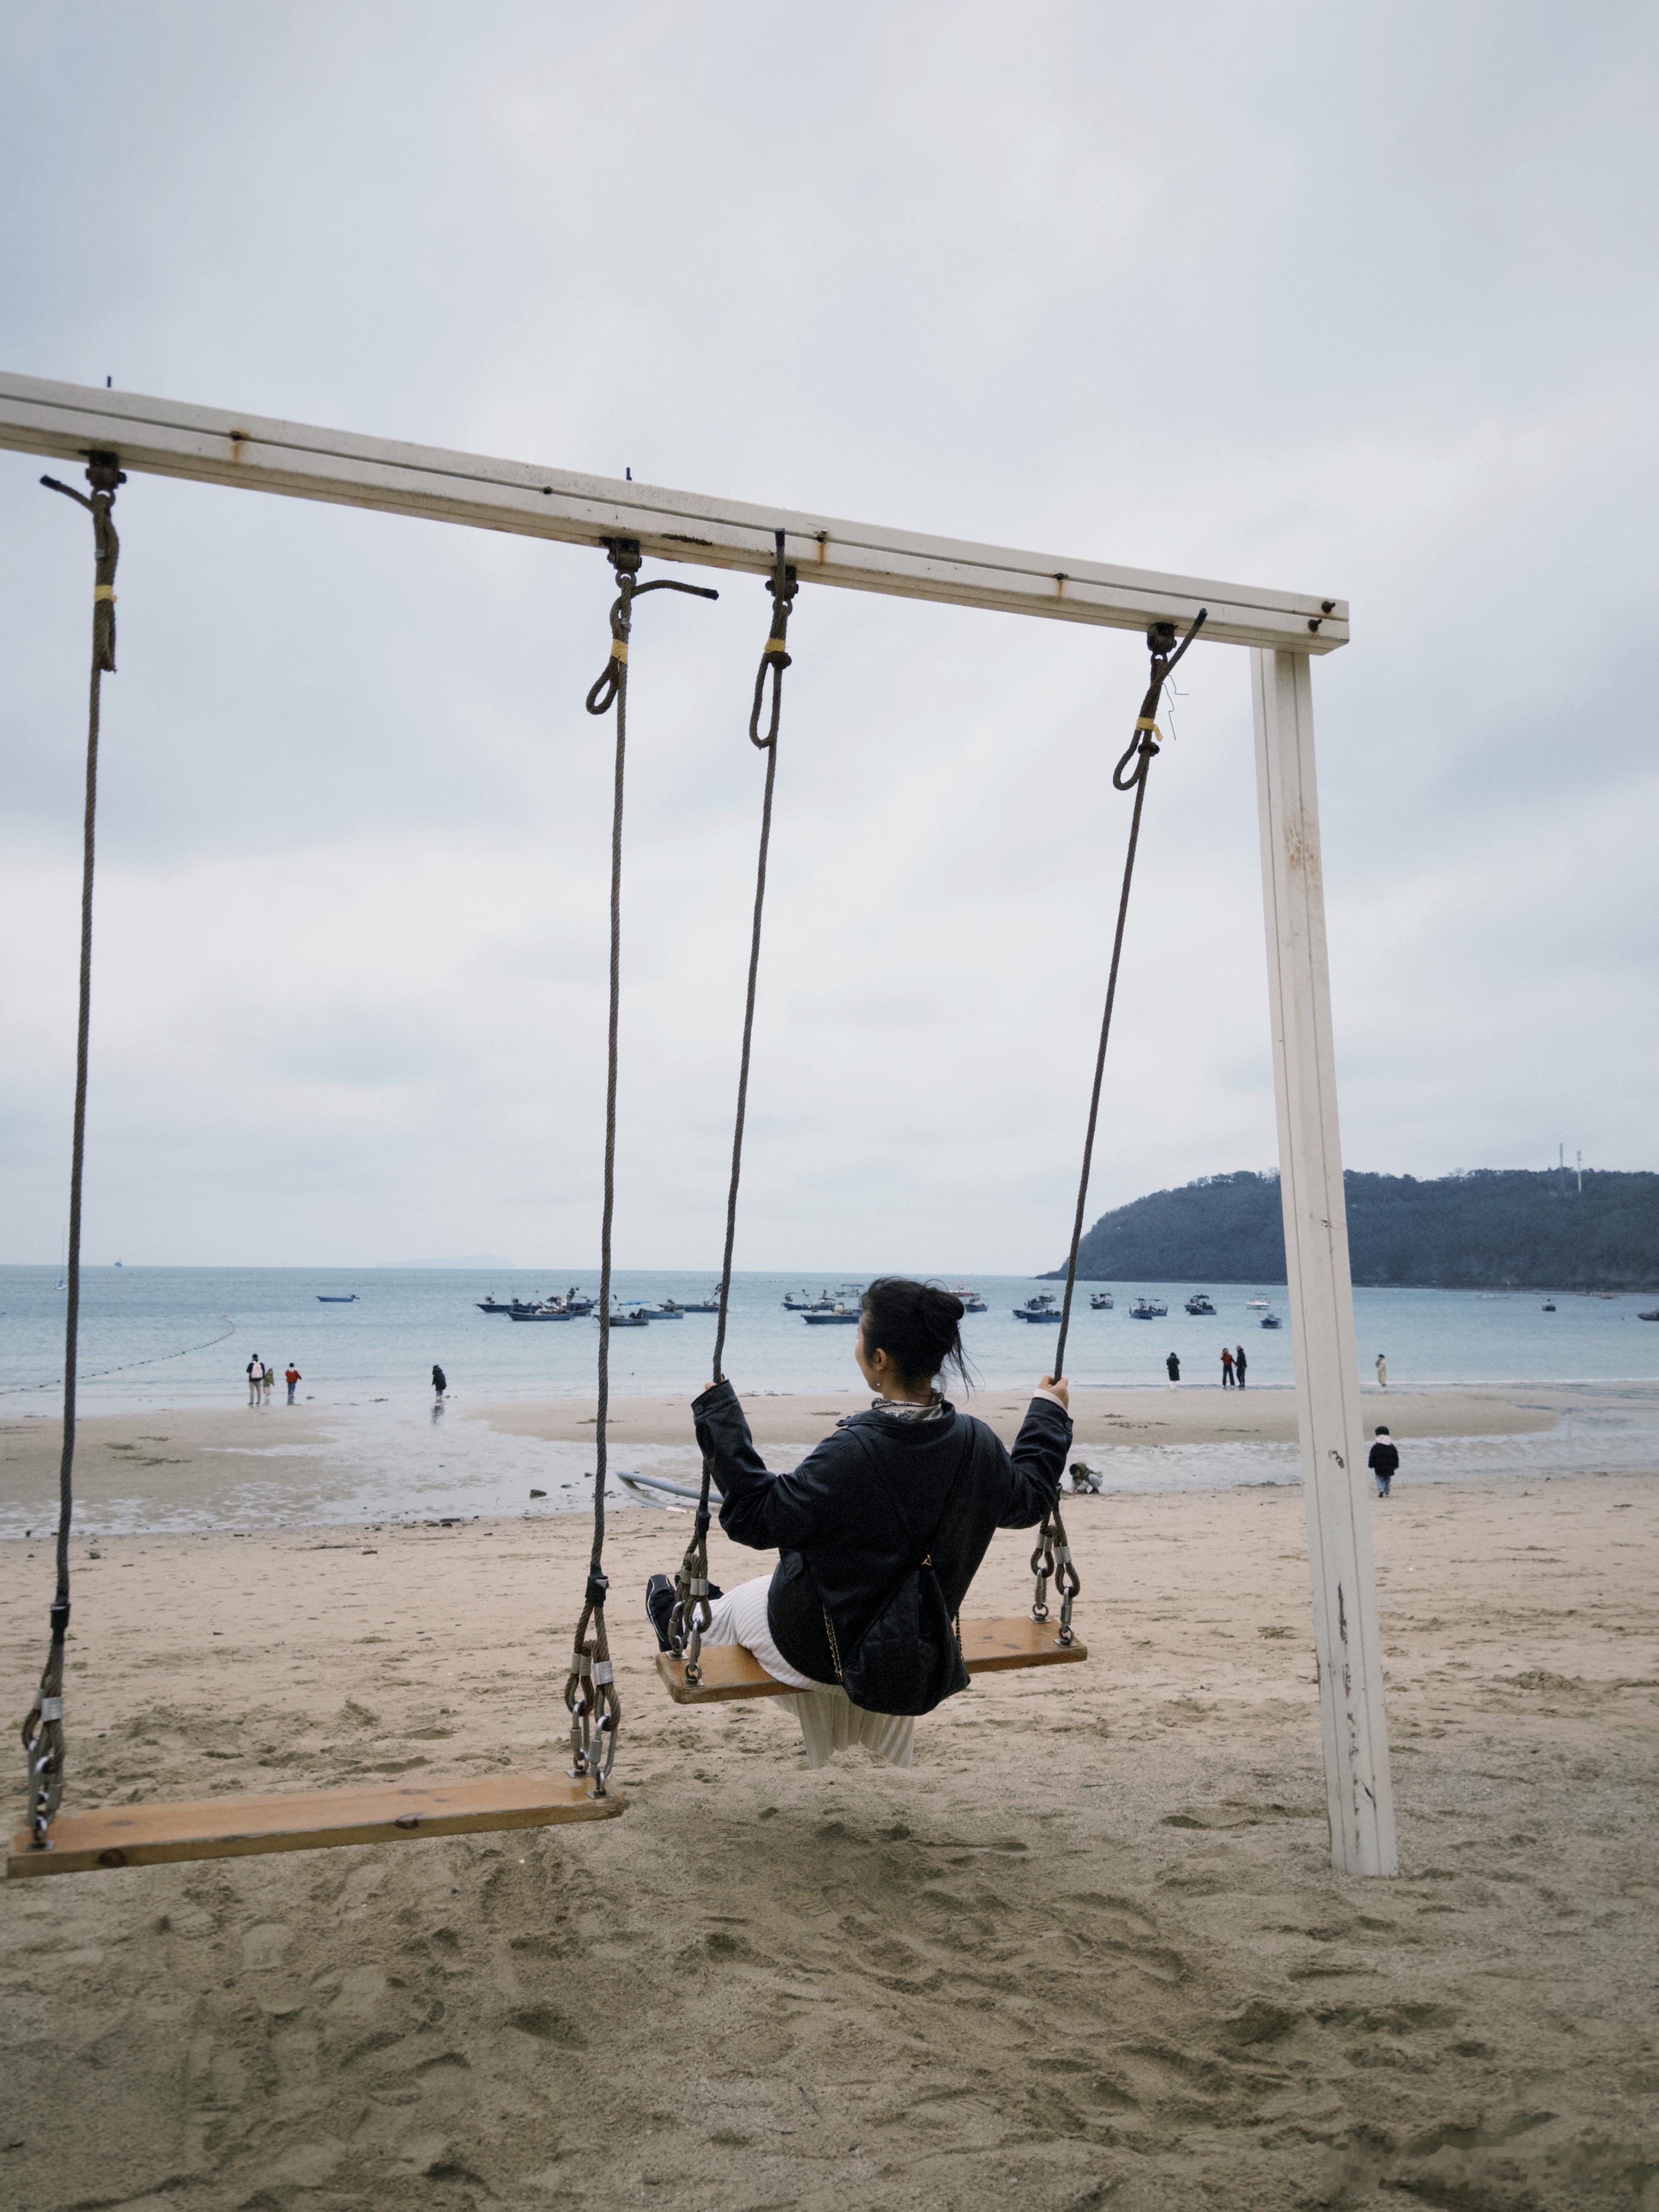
{"type": "Point", "coordinates": [1478, 1230]}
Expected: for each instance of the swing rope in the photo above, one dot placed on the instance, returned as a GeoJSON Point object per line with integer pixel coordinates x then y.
{"type": "Point", "coordinates": [589, 1690]}
{"type": "Point", "coordinates": [44, 1743]}
{"type": "Point", "coordinates": [1052, 1558]}
{"type": "Point", "coordinates": [692, 1614]}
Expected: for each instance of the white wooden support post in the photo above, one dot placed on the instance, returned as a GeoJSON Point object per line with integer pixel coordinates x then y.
{"type": "Point", "coordinates": [1335, 1487]}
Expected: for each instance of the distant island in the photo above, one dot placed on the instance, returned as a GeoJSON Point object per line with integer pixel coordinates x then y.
{"type": "Point", "coordinates": [1485, 1230]}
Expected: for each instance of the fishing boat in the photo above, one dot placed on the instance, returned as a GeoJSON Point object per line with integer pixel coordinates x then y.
{"type": "Point", "coordinates": [971, 1300]}
{"type": "Point", "coordinates": [494, 1305]}
{"type": "Point", "coordinates": [1261, 1303]}
{"type": "Point", "coordinates": [794, 1303]}
{"type": "Point", "coordinates": [1101, 1301]}
{"type": "Point", "coordinates": [1145, 1309]}
{"type": "Point", "coordinates": [638, 1319]}
{"type": "Point", "coordinates": [1271, 1321]}
{"type": "Point", "coordinates": [1200, 1304]}
{"type": "Point", "coordinates": [1654, 1316]}
{"type": "Point", "coordinates": [550, 1310]}
{"type": "Point", "coordinates": [1548, 1306]}
{"type": "Point", "coordinates": [330, 1298]}
{"type": "Point", "coordinates": [710, 1304]}
{"type": "Point", "coordinates": [1040, 1308]}
{"type": "Point", "coordinates": [816, 1320]}
{"type": "Point", "coordinates": [665, 1309]}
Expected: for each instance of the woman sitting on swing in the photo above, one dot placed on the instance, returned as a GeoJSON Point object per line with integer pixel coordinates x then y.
{"type": "Point", "coordinates": [881, 1529]}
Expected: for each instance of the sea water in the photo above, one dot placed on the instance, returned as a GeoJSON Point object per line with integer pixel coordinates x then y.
{"type": "Point", "coordinates": [167, 1336]}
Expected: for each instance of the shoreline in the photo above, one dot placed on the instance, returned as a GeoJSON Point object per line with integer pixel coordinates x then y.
{"type": "Point", "coordinates": [389, 1458]}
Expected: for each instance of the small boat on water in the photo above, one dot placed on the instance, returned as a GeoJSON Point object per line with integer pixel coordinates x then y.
{"type": "Point", "coordinates": [817, 1320]}
{"type": "Point", "coordinates": [638, 1319]}
{"type": "Point", "coordinates": [548, 1312]}
{"type": "Point", "coordinates": [332, 1297]}
{"type": "Point", "coordinates": [1200, 1304]}
{"type": "Point", "coordinates": [494, 1305]}
{"type": "Point", "coordinates": [710, 1304]}
{"type": "Point", "coordinates": [1040, 1308]}
{"type": "Point", "coordinates": [1145, 1309]}
{"type": "Point", "coordinates": [1654, 1316]}
{"type": "Point", "coordinates": [665, 1309]}
{"type": "Point", "coordinates": [1548, 1306]}
{"type": "Point", "coordinates": [1271, 1321]}
{"type": "Point", "coordinates": [1261, 1303]}
{"type": "Point", "coordinates": [1101, 1301]}
{"type": "Point", "coordinates": [971, 1300]}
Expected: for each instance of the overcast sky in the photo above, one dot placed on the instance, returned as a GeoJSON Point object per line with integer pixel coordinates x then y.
{"type": "Point", "coordinates": [1358, 301]}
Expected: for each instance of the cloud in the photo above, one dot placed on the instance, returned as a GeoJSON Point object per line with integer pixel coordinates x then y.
{"type": "Point", "coordinates": [1275, 301]}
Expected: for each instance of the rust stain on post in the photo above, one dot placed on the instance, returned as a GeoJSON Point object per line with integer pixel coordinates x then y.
{"type": "Point", "coordinates": [238, 440]}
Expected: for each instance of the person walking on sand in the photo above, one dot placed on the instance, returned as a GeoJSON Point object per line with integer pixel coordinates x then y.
{"type": "Point", "coordinates": [292, 1376]}
{"type": "Point", "coordinates": [1239, 1364]}
{"type": "Point", "coordinates": [1383, 1369]}
{"type": "Point", "coordinates": [256, 1379]}
{"type": "Point", "coordinates": [1384, 1461]}
{"type": "Point", "coordinates": [439, 1382]}
{"type": "Point", "coordinates": [881, 1529]}
{"type": "Point", "coordinates": [1226, 1369]}
{"type": "Point", "coordinates": [1172, 1369]}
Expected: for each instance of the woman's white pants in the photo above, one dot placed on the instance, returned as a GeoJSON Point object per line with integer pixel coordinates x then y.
{"type": "Point", "coordinates": [829, 1721]}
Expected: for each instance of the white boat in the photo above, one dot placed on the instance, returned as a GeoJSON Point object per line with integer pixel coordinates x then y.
{"type": "Point", "coordinates": [1101, 1301]}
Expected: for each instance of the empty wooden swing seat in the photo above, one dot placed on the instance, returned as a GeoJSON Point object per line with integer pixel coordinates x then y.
{"type": "Point", "coordinates": [306, 1820]}
{"type": "Point", "coordinates": [988, 1647]}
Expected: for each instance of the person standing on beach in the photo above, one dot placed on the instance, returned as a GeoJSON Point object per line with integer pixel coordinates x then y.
{"type": "Point", "coordinates": [1383, 1369]}
{"type": "Point", "coordinates": [1226, 1369]}
{"type": "Point", "coordinates": [1172, 1369]}
{"type": "Point", "coordinates": [439, 1382]}
{"type": "Point", "coordinates": [256, 1379]}
{"type": "Point", "coordinates": [292, 1376]}
{"type": "Point", "coordinates": [1384, 1461]}
{"type": "Point", "coordinates": [1239, 1364]}
{"type": "Point", "coordinates": [267, 1381]}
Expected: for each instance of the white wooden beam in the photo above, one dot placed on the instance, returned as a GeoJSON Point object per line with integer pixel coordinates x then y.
{"type": "Point", "coordinates": [165, 437]}
{"type": "Point", "coordinates": [1336, 1486]}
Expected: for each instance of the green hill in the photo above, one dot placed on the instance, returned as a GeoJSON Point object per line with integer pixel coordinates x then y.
{"type": "Point", "coordinates": [1474, 1232]}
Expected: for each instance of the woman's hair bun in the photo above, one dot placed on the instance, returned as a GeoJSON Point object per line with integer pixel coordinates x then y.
{"type": "Point", "coordinates": [917, 1325]}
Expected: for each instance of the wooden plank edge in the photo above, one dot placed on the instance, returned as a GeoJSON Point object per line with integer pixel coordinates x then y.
{"type": "Point", "coordinates": [23, 1863]}
{"type": "Point", "coordinates": [728, 1693]}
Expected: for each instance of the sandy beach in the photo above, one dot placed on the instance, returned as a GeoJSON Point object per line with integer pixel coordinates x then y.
{"type": "Point", "coordinates": [1089, 1953]}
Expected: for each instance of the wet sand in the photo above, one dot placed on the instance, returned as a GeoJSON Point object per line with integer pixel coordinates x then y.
{"type": "Point", "coordinates": [1089, 1953]}
{"type": "Point", "coordinates": [192, 1458]}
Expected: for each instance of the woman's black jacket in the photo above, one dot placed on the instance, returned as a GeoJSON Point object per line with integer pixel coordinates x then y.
{"type": "Point", "coordinates": [863, 1507]}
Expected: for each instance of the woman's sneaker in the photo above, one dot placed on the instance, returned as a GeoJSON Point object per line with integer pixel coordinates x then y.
{"type": "Point", "coordinates": [660, 1608]}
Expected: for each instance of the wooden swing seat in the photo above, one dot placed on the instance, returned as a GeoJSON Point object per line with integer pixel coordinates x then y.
{"type": "Point", "coordinates": [306, 1820]}
{"type": "Point", "coordinates": [988, 1647]}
